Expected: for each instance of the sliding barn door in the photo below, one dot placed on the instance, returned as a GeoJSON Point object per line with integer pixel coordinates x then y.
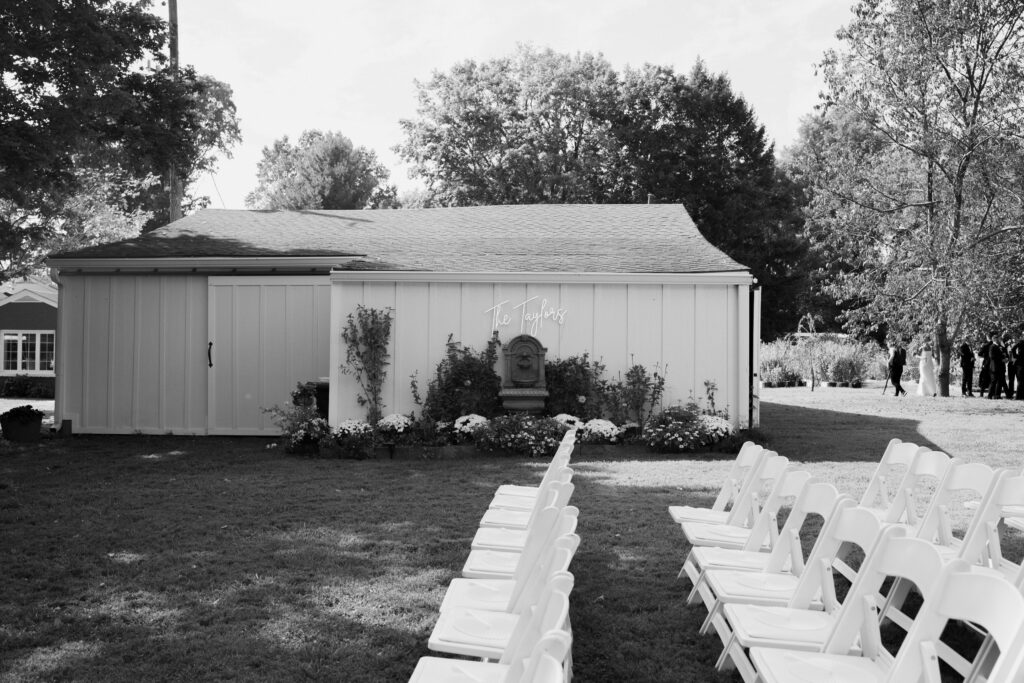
{"type": "Point", "coordinates": [266, 335]}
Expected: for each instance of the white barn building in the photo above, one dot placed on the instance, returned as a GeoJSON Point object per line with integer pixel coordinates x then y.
{"type": "Point", "coordinates": [198, 326]}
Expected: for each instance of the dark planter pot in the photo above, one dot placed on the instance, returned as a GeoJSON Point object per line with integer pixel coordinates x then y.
{"type": "Point", "coordinates": [22, 431]}
{"type": "Point", "coordinates": [844, 384]}
{"type": "Point", "coordinates": [768, 385]}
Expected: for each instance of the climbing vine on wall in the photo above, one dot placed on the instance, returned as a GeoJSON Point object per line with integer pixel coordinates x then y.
{"type": "Point", "coordinates": [366, 334]}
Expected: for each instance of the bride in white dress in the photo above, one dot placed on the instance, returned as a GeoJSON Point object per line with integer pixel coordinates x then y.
{"type": "Point", "coordinates": [926, 385]}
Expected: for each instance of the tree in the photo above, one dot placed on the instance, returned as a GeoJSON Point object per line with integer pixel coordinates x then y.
{"type": "Point", "coordinates": [86, 95]}
{"type": "Point", "coordinates": [321, 171]}
{"type": "Point", "coordinates": [542, 127]}
{"type": "Point", "coordinates": [913, 167]}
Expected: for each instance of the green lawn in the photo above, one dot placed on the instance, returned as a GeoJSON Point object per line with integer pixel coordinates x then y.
{"type": "Point", "coordinates": [174, 558]}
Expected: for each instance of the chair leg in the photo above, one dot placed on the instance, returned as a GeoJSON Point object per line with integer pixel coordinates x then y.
{"type": "Point", "coordinates": [724, 662]}
{"type": "Point", "coordinates": [682, 570]}
{"type": "Point", "coordinates": [712, 613]}
{"type": "Point", "coordinates": [694, 595]}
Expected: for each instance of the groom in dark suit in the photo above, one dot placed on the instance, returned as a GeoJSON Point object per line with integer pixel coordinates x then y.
{"type": "Point", "coordinates": [897, 359]}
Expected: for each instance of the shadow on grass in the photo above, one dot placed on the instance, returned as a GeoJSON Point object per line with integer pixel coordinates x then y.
{"type": "Point", "coordinates": [816, 435]}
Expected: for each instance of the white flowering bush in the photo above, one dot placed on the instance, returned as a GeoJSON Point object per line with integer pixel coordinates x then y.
{"type": "Point", "coordinates": [302, 428]}
{"type": "Point", "coordinates": [681, 428]}
{"type": "Point", "coordinates": [570, 421]}
{"type": "Point", "coordinates": [600, 431]}
{"type": "Point", "coordinates": [354, 438]}
{"type": "Point", "coordinates": [390, 427]}
{"type": "Point", "coordinates": [537, 437]}
{"type": "Point", "coordinates": [467, 425]}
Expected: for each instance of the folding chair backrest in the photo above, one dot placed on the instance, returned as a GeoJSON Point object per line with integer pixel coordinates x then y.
{"type": "Point", "coordinates": [546, 661]}
{"type": "Point", "coordinates": [550, 612]}
{"type": "Point", "coordinates": [926, 466]}
{"type": "Point", "coordinates": [757, 488]}
{"type": "Point", "coordinates": [898, 454]}
{"type": "Point", "coordinates": [766, 525]}
{"type": "Point", "coordinates": [894, 555]}
{"type": "Point", "coordinates": [981, 543]}
{"type": "Point", "coordinates": [962, 478]}
{"type": "Point", "coordinates": [527, 591]}
{"type": "Point", "coordinates": [552, 523]}
{"type": "Point", "coordinates": [816, 498]}
{"type": "Point", "coordinates": [848, 525]}
{"type": "Point", "coordinates": [988, 601]}
{"type": "Point", "coordinates": [742, 467]}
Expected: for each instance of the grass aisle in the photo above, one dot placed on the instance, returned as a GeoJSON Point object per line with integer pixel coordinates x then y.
{"type": "Point", "coordinates": [174, 558]}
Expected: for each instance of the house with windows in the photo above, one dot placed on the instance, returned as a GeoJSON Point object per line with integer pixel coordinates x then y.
{"type": "Point", "coordinates": [200, 326]}
{"type": "Point", "coordinates": [28, 324]}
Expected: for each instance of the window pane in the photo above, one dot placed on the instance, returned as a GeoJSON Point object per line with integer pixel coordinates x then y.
{"type": "Point", "coordinates": [46, 349]}
{"type": "Point", "coordinates": [28, 351]}
{"type": "Point", "coordinates": [10, 352]}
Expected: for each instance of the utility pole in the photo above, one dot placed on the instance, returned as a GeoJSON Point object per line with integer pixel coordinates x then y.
{"type": "Point", "coordinates": [173, 183]}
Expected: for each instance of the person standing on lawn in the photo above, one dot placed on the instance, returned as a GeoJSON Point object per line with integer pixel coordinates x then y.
{"type": "Point", "coordinates": [985, 376]}
{"type": "Point", "coordinates": [966, 369]}
{"type": "Point", "coordinates": [897, 359]}
{"type": "Point", "coordinates": [1011, 375]}
{"type": "Point", "coordinates": [997, 367]}
{"type": "Point", "coordinates": [1017, 364]}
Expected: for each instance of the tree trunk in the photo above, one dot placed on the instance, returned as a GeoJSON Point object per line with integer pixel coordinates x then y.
{"type": "Point", "coordinates": [944, 345]}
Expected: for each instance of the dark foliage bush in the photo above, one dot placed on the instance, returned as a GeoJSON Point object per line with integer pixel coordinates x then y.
{"type": "Point", "coordinates": [465, 382]}
{"type": "Point", "coordinates": [569, 380]}
{"type": "Point", "coordinates": [25, 386]}
{"type": "Point", "coordinates": [520, 434]}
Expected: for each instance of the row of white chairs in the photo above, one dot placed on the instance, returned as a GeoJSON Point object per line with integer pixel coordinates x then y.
{"type": "Point", "coordinates": [777, 612]}
{"type": "Point", "coordinates": [510, 609]}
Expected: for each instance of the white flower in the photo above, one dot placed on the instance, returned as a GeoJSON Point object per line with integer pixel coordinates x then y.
{"type": "Point", "coordinates": [601, 429]}
{"type": "Point", "coordinates": [467, 424]}
{"type": "Point", "coordinates": [568, 420]}
{"type": "Point", "coordinates": [394, 423]}
{"type": "Point", "coordinates": [352, 428]}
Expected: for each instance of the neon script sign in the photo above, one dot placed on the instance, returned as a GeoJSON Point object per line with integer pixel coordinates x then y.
{"type": "Point", "coordinates": [530, 318]}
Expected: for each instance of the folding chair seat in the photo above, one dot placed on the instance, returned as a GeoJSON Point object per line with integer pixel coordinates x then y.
{"type": "Point", "coordinates": [544, 662]}
{"type": "Point", "coordinates": [500, 564]}
{"type": "Point", "coordinates": [488, 635]}
{"type": "Point", "coordinates": [509, 539]}
{"type": "Point", "coordinates": [505, 518]}
{"type": "Point", "coordinates": [814, 587]}
{"type": "Point", "coordinates": [521, 501]}
{"type": "Point", "coordinates": [958, 594]}
{"type": "Point", "coordinates": [512, 595]}
{"type": "Point", "coordinates": [816, 498]}
{"type": "Point", "coordinates": [765, 512]}
{"type": "Point", "coordinates": [734, 488]}
{"type": "Point", "coordinates": [560, 459]}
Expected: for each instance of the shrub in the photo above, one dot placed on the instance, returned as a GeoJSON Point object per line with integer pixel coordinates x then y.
{"type": "Point", "coordinates": [367, 334]}
{"type": "Point", "coordinates": [536, 437]}
{"type": "Point", "coordinates": [634, 397]}
{"type": "Point", "coordinates": [22, 415]}
{"type": "Point", "coordinates": [26, 386]}
{"type": "Point", "coordinates": [466, 426]}
{"type": "Point", "coordinates": [680, 428]}
{"type": "Point", "coordinates": [465, 382]}
{"type": "Point", "coordinates": [393, 427]}
{"type": "Point", "coordinates": [780, 362]}
{"type": "Point", "coordinates": [575, 386]}
{"type": "Point", "coordinates": [354, 438]}
{"type": "Point", "coordinates": [570, 421]}
{"type": "Point", "coordinates": [302, 428]}
{"type": "Point", "coordinates": [600, 431]}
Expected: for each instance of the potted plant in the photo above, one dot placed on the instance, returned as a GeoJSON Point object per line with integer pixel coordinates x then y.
{"type": "Point", "coordinates": [23, 423]}
{"type": "Point", "coordinates": [390, 429]}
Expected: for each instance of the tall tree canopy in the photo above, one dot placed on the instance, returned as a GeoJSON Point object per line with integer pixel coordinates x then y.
{"type": "Point", "coordinates": [321, 171]}
{"type": "Point", "coordinates": [540, 127]}
{"type": "Point", "coordinates": [914, 168]}
{"type": "Point", "coordinates": [89, 116]}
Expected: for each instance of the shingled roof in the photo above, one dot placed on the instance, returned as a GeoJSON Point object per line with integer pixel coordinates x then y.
{"type": "Point", "coordinates": [609, 238]}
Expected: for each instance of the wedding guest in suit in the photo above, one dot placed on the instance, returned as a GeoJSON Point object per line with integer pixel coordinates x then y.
{"type": "Point", "coordinates": [997, 366]}
{"type": "Point", "coordinates": [1017, 361]}
{"type": "Point", "coordinates": [966, 369]}
{"type": "Point", "coordinates": [985, 376]}
{"type": "Point", "coordinates": [1011, 375]}
{"type": "Point", "coordinates": [897, 359]}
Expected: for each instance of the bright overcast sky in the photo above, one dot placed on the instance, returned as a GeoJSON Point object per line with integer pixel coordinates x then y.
{"type": "Point", "coordinates": [349, 66]}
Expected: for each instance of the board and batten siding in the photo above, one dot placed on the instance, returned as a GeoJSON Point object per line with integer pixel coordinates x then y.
{"type": "Point", "coordinates": [693, 328]}
{"type": "Point", "coordinates": [131, 353]}
{"type": "Point", "coordinates": [134, 354]}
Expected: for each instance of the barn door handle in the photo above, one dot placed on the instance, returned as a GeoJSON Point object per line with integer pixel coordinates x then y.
{"type": "Point", "coordinates": [209, 354]}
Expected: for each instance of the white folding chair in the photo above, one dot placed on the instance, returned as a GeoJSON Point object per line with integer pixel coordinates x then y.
{"type": "Point", "coordinates": [878, 494]}
{"type": "Point", "coordinates": [507, 493]}
{"type": "Point", "coordinates": [515, 539]}
{"type": "Point", "coordinates": [786, 486]}
{"type": "Point", "coordinates": [816, 498]}
{"type": "Point", "coordinates": [544, 662]}
{"type": "Point", "coordinates": [490, 635]}
{"type": "Point", "coordinates": [813, 588]}
{"type": "Point", "coordinates": [958, 594]}
{"type": "Point", "coordinates": [926, 470]}
{"type": "Point", "coordinates": [506, 518]}
{"type": "Point", "coordinates": [500, 564]}
{"type": "Point", "coordinates": [741, 476]}
{"type": "Point", "coordinates": [512, 595]}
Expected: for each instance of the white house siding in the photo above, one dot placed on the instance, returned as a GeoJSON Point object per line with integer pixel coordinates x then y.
{"type": "Point", "coordinates": [693, 332]}
{"type": "Point", "coordinates": [131, 353]}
